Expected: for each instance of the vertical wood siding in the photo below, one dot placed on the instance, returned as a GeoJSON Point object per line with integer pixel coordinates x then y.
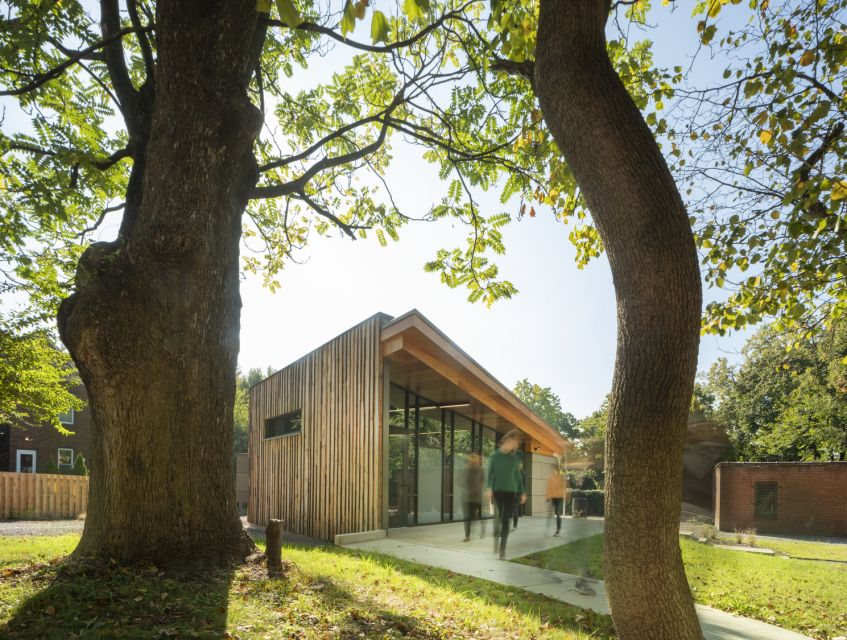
{"type": "Point", "coordinates": [326, 479]}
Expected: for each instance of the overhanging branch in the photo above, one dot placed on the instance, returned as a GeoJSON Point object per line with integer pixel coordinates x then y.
{"type": "Point", "coordinates": [58, 70]}
{"type": "Point", "coordinates": [317, 208]}
{"type": "Point", "coordinates": [317, 28]}
{"type": "Point", "coordinates": [101, 164]}
{"type": "Point", "coordinates": [297, 186]}
{"type": "Point", "coordinates": [525, 69]}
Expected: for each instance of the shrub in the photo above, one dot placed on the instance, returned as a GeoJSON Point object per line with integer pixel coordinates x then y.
{"type": "Point", "coordinates": [79, 466]}
{"type": "Point", "coordinates": [705, 530]}
{"type": "Point", "coordinates": [593, 498]}
{"type": "Point", "coordinates": [51, 467]}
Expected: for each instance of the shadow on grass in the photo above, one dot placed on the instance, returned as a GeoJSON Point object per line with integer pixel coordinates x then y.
{"type": "Point", "coordinates": [467, 593]}
{"type": "Point", "coordinates": [328, 592]}
{"type": "Point", "coordinates": [66, 600]}
{"type": "Point", "coordinates": [364, 617]}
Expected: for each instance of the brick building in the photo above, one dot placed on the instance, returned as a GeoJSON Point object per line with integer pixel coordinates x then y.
{"type": "Point", "coordinates": [28, 449]}
{"type": "Point", "coordinates": [797, 498]}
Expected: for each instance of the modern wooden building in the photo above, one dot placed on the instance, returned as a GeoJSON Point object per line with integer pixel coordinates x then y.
{"type": "Point", "coordinates": [373, 430]}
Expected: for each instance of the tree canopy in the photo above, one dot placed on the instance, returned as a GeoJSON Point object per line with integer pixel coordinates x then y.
{"type": "Point", "coordinates": [786, 400]}
{"type": "Point", "coordinates": [36, 377]}
{"type": "Point", "coordinates": [440, 76]}
{"type": "Point", "coordinates": [547, 405]}
{"type": "Point", "coordinates": [762, 154]}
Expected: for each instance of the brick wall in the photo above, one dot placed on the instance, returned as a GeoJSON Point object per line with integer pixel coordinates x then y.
{"type": "Point", "coordinates": [46, 441]}
{"type": "Point", "coordinates": [810, 497]}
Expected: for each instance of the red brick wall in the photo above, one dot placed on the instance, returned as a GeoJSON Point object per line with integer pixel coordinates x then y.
{"type": "Point", "coordinates": [811, 497]}
{"type": "Point", "coordinates": [46, 441]}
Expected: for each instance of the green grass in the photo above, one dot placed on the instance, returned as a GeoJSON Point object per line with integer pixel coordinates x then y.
{"type": "Point", "coordinates": [800, 549]}
{"type": "Point", "coordinates": [326, 593]}
{"type": "Point", "coordinates": [803, 595]}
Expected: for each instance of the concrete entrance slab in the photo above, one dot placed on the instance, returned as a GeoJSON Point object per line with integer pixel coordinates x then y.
{"type": "Point", "coordinates": [534, 533]}
{"type": "Point", "coordinates": [442, 546]}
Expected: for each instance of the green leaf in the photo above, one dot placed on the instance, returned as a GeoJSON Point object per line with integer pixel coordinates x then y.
{"type": "Point", "coordinates": [263, 6]}
{"type": "Point", "coordinates": [413, 10]}
{"type": "Point", "coordinates": [348, 20]}
{"type": "Point", "coordinates": [380, 28]}
{"type": "Point", "coordinates": [288, 13]}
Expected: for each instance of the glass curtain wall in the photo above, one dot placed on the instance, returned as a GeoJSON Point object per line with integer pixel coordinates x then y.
{"type": "Point", "coordinates": [428, 451]}
{"type": "Point", "coordinates": [401, 461]}
{"type": "Point", "coordinates": [430, 462]}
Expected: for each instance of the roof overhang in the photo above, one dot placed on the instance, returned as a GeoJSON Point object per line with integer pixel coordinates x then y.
{"type": "Point", "coordinates": [417, 350]}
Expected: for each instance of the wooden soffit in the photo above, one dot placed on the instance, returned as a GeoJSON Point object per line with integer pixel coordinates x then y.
{"type": "Point", "coordinates": [412, 336]}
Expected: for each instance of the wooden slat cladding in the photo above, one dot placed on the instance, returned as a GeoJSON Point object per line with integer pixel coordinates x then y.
{"type": "Point", "coordinates": [326, 479]}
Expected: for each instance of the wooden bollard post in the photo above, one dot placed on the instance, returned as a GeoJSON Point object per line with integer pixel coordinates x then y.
{"type": "Point", "coordinates": [273, 551]}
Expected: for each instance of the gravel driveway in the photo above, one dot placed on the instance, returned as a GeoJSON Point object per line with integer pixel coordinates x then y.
{"type": "Point", "coordinates": [40, 527]}
{"type": "Point", "coordinates": [24, 528]}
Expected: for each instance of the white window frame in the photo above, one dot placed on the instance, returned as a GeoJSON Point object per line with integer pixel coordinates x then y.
{"type": "Point", "coordinates": [59, 465]}
{"type": "Point", "coordinates": [24, 452]}
{"type": "Point", "coordinates": [65, 421]}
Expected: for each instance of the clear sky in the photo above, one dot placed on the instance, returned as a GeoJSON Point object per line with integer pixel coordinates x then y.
{"type": "Point", "coordinates": [559, 331]}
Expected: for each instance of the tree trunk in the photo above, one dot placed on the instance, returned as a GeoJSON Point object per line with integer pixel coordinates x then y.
{"type": "Point", "coordinates": [153, 326]}
{"type": "Point", "coordinates": [648, 240]}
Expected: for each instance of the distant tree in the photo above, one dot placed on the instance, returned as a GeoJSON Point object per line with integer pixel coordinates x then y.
{"type": "Point", "coordinates": [241, 413]}
{"type": "Point", "coordinates": [787, 399]}
{"type": "Point", "coordinates": [80, 468]}
{"type": "Point", "coordinates": [703, 400]}
{"type": "Point", "coordinates": [594, 425]}
{"type": "Point", "coordinates": [547, 406]}
{"type": "Point", "coordinates": [592, 436]}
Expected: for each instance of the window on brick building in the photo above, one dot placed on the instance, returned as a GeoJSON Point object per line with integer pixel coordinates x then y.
{"type": "Point", "coordinates": [66, 459]}
{"type": "Point", "coordinates": [67, 417]}
{"type": "Point", "coordinates": [765, 500]}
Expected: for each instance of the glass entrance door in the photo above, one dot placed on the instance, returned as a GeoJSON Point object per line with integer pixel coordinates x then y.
{"type": "Point", "coordinates": [428, 452]}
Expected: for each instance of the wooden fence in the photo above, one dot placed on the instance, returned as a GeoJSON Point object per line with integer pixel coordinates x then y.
{"type": "Point", "coordinates": [42, 495]}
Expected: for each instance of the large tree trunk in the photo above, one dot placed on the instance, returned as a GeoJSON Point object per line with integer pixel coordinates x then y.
{"type": "Point", "coordinates": [642, 221]}
{"type": "Point", "coordinates": [153, 326]}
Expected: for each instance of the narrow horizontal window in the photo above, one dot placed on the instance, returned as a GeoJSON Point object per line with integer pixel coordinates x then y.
{"type": "Point", "coordinates": [284, 425]}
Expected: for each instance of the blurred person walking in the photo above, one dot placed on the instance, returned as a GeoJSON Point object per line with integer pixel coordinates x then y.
{"type": "Point", "coordinates": [557, 492]}
{"type": "Point", "coordinates": [473, 480]}
{"type": "Point", "coordinates": [504, 481]}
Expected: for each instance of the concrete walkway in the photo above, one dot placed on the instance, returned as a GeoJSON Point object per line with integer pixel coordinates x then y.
{"type": "Point", "coordinates": [441, 546]}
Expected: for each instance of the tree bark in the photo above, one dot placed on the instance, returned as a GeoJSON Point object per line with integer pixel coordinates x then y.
{"type": "Point", "coordinates": [153, 326]}
{"type": "Point", "coordinates": [644, 227]}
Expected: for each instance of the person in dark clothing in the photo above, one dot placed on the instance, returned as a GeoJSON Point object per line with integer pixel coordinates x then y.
{"type": "Point", "coordinates": [516, 512]}
{"type": "Point", "coordinates": [472, 482]}
{"type": "Point", "coordinates": [505, 482]}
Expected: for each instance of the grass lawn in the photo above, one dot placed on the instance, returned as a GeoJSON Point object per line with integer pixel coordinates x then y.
{"type": "Point", "coordinates": [326, 593]}
{"type": "Point", "coordinates": [803, 595]}
{"type": "Point", "coordinates": [800, 549]}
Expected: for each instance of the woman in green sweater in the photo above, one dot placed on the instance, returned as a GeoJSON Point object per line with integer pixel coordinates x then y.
{"type": "Point", "coordinates": [504, 481]}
